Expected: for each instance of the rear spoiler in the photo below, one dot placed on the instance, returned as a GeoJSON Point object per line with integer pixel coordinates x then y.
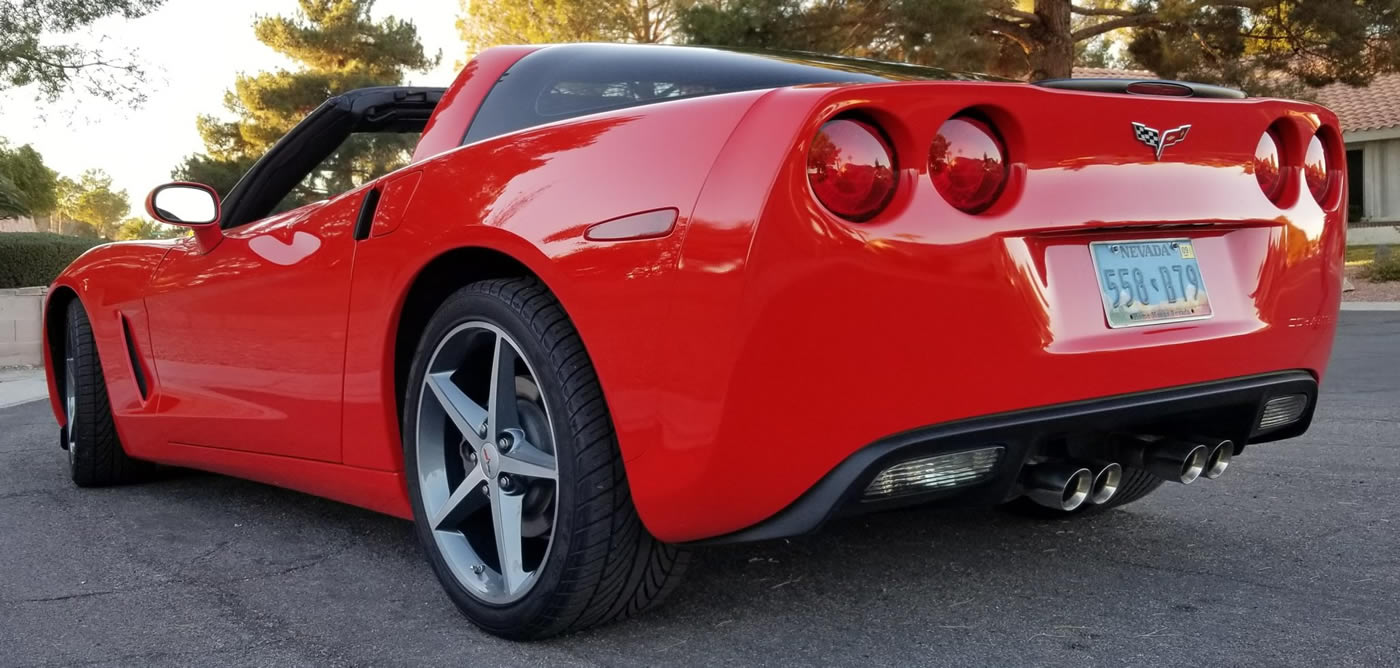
{"type": "Point", "coordinates": [1144, 87]}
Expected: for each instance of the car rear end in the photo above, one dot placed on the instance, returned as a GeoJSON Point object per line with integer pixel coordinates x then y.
{"type": "Point", "coordinates": [980, 291]}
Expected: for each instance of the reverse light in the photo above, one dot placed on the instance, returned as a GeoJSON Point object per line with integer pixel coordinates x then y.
{"type": "Point", "coordinates": [1315, 168]}
{"type": "Point", "coordinates": [967, 163]}
{"type": "Point", "coordinates": [1280, 411]}
{"type": "Point", "coordinates": [1268, 166]}
{"type": "Point", "coordinates": [926, 474]}
{"type": "Point", "coordinates": [851, 169]}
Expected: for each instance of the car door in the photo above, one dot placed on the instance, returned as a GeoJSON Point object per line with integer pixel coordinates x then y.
{"type": "Point", "coordinates": [248, 320]}
{"type": "Point", "coordinates": [249, 338]}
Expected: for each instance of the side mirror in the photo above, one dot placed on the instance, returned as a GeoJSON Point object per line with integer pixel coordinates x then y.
{"type": "Point", "coordinates": [192, 205]}
{"type": "Point", "coordinates": [185, 204]}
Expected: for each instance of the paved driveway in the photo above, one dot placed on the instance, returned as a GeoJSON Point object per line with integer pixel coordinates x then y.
{"type": "Point", "coordinates": [1293, 558]}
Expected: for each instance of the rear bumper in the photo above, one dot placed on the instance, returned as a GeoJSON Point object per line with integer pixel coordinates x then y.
{"type": "Point", "coordinates": [1230, 408]}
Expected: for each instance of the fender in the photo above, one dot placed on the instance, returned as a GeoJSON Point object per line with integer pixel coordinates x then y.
{"type": "Point", "coordinates": [110, 281]}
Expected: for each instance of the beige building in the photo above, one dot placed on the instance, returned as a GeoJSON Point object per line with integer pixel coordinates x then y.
{"type": "Point", "coordinates": [1371, 128]}
{"type": "Point", "coordinates": [21, 224]}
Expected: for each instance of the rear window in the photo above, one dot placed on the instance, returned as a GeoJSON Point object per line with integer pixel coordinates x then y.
{"type": "Point", "coordinates": [571, 80]}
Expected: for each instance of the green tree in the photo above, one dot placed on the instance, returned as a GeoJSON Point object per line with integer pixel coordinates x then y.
{"type": "Point", "coordinates": [144, 228]}
{"type": "Point", "coordinates": [337, 47]}
{"type": "Point", "coordinates": [33, 183]}
{"type": "Point", "coordinates": [486, 23]}
{"type": "Point", "coordinates": [90, 206]}
{"type": "Point", "coordinates": [1240, 42]}
{"type": "Point", "coordinates": [29, 54]}
{"type": "Point", "coordinates": [11, 199]}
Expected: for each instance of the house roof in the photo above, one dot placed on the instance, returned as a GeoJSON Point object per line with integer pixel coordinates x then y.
{"type": "Point", "coordinates": [1110, 73]}
{"type": "Point", "coordinates": [1375, 107]}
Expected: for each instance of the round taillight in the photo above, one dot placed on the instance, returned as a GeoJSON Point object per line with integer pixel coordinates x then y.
{"type": "Point", "coordinates": [1315, 168]}
{"type": "Point", "coordinates": [1268, 168]}
{"type": "Point", "coordinates": [851, 169]}
{"type": "Point", "coordinates": [967, 164]}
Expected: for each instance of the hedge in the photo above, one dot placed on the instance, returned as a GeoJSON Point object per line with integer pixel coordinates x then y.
{"type": "Point", "coordinates": [35, 258]}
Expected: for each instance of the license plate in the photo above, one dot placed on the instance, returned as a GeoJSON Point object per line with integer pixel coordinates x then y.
{"type": "Point", "coordinates": [1149, 282]}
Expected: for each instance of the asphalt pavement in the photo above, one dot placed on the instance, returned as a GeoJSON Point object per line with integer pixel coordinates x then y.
{"type": "Point", "coordinates": [1292, 558]}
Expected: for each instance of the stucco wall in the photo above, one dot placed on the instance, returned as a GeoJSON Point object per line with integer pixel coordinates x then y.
{"type": "Point", "coordinates": [24, 224]}
{"type": "Point", "coordinates": [21, 317]}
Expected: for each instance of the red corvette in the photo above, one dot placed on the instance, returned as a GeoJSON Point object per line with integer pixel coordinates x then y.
{"type": "Point", "coordinates": [626, 299]}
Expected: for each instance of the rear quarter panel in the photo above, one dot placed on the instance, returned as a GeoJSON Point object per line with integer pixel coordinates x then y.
{"type": "Point", "coordinates": [531, 195]}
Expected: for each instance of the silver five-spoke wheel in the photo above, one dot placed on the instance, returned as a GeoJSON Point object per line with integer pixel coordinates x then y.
{"type": "Point", "coordinates": [486, 462]}
{"type": "Point", "coordinates": [70, 397]}
{"type": "Point", "coordinates": [515, 477]}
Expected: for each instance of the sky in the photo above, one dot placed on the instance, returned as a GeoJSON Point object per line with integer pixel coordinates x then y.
{"type": "Point", "coordinates": [191, 51]}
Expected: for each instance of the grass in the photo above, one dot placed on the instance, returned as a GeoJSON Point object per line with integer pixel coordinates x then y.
{"type": "Point", "coordinates": [1357, 255]}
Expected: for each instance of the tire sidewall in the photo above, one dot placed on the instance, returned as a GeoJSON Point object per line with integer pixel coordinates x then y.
{"type": "Point", "coordinates": [77, 336]}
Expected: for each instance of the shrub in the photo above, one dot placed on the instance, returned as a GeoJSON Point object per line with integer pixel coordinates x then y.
{"type": "Point", "coordinates": [35, 258]}
{"type": "Point", "coordinates": [1383, 271]}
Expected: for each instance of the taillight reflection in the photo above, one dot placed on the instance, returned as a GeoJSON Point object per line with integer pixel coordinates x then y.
{"type": "Point", "coordinates": [851, 169]}
{"type": "Point", "coordinates": [1315, 168]}
{"type": "Point", "coordinates": [1268, 168]}
{"type": "Point", "coordinates": [967, 164]}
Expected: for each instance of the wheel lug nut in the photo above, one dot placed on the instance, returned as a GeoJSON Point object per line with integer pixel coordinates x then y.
{"type": "Point", "coordinates": [505, 482]}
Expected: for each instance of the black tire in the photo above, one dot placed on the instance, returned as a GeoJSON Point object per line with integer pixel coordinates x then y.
{"type": "Point", "coordinates": [1136, 484]}
{"type": "Point", "coordinates": [602, 565]}
{"type": "Point", "coordinates": [95, 454]}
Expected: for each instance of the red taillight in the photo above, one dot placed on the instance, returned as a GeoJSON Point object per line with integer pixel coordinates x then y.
{"type": "Point", "coordinates": [1159, 88]}
{"type": "Point", "coordinates": [1268, 169]}
{"type": "Point", "coordinates": [967, 164]}
{"type": "Point", "coordinates": [1315, 168]}
{"type": "Point", "coordinates": [851, 169]}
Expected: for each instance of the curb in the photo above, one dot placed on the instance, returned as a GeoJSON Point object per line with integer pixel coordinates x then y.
{"type": "Point", "coordinates": [1371, 306]}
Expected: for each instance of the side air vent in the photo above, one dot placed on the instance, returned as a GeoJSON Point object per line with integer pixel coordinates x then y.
{"type": "Point", "coordinates": [137, 371]}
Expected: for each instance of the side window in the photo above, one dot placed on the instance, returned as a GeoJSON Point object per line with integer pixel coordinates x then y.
{"type": "Point", "coordinates": [361, 158]}
{"type": "Point", "coordinates": [572, 98]}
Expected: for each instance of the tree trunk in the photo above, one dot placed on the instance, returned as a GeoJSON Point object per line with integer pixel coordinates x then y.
{"type": "Point", "coordinates": [1052, 57]}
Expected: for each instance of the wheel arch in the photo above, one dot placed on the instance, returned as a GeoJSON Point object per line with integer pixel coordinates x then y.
{"type": "Point", "coordinates": [55, 331]}
{"type": "Point", "coordinates": [440, 277]}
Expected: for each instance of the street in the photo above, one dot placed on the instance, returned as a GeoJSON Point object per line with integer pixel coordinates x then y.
{"type": "Point", "coordinates": [1292, 558]}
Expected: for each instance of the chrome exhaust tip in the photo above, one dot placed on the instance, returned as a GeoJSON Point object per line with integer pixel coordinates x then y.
{"type": "Point", "coordinates": [1106, 483]}
{"type": "Point", "coordinates": [1177, 461]}
{"type": "Point", "coordinates": [1219, 458]}
{"type": "Point", "coordinates": [1170, 459]}
{"type": "Point", "coordinates": [1059, 486]}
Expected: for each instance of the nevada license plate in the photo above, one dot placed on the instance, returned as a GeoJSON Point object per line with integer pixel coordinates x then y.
{"type": "Point", "coordinates": [1149, 282]}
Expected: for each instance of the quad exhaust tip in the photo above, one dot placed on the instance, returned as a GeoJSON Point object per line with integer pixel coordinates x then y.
{"type": "Point", "coordinates": [1106, 483]}
{"type": "Point", "coordinates": [1219, 458]}
{"type": "Point", "coordinates": [1170, 459]}
{"type": "Point", "coordinates": [1059, 486]}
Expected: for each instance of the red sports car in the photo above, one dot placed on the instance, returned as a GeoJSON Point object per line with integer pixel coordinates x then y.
{"type": "Point", "coordinates": [623, 300]}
